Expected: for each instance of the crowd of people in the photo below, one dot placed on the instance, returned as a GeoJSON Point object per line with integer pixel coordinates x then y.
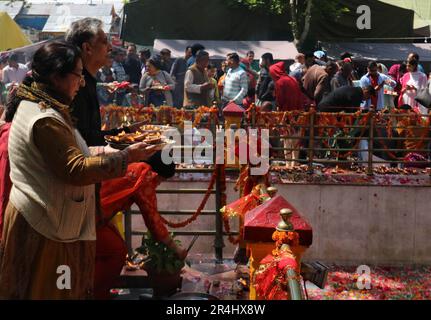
{"type": "Point", "coordinates": [53, 156]}
{"type": "Point", "coordinates": [312, 79]}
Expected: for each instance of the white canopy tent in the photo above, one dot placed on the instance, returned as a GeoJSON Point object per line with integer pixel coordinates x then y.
{"type": "Point", "coordinates": [379, 51]}
{"type": "Point", "coordinates": [281, 50]}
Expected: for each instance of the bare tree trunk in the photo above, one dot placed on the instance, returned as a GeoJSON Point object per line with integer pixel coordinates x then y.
{"type": "Point", "coordinates": [300, 29]}
{"type": "Point", "coordinates": [294, 20]}
{"type": "Point", "coordinates": [307, 23]}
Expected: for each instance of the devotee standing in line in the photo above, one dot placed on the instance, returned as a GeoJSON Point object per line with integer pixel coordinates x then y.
{"type": "Point", "coordinates": [412, 82]}
{"type": "Point", "coordinates": [132, 65]}
{"type": "Point", "coordinates": [235, 83]}
{"type": "Point", "coordinates": [377, 81]}
{"type": "Point", "coordinates": [178, 73]}
{"type": "Point", "coordinates": [144, 55]}
{"type": "Point", "coordinates": [265, 84]}
{"type": "Point", "coordinates": [197, 85]}
{"type": "Point", "coordinates": [343, 77]}
{"type": "Point", "coordinates": [317, 81]}
{"type": "Point", "coordinates": [156, 84]}
{"type": "Point", "coordinates": [166, 60]}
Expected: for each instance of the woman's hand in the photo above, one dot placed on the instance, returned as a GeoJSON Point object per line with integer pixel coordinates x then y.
{"type": "Point", "coordinates": [109, 150]}
{"type": "Point", "coordinates": [140, 152]}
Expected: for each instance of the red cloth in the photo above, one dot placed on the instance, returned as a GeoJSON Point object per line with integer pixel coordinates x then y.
{"type": "Point", "coordinates": [288, 94]}
{"type": "Point", "coordinates": [5, 182]}
{"type": "Point", "coordinates": [375, 83]}
{"type": "Point", "coordinates": [252, 82]}
{"type": "Point", "coordinates": [270, 280]}
{"type": "Point", "coordinates": [259, 223]}
{"type": "Point", "coordinates": [137, 186]}
{"type": "Point", "coordinates": [111, 252]}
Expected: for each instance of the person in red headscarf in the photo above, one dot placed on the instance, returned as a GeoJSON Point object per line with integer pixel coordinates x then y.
{"type": "Point", "coordinates": [288, 95]}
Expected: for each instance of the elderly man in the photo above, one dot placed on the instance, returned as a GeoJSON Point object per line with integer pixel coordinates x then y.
{"type": "Point", "coordinates": [88, 35]}
{"type": "Point", "coordinates": [197, 85]}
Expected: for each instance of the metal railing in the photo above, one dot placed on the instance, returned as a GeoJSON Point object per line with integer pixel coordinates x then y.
{"type": "Point", "coordinates": [363, 139]}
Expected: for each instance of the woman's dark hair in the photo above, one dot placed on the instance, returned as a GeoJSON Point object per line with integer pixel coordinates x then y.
{"type": "Point", "coordinates": [54, 58]}
{"type": "Point", "coordinates": [156, 61]}
{"type": "Point", "coordinates": [413, 62]}
{"type": "Point", "coordinates": [403, 67]}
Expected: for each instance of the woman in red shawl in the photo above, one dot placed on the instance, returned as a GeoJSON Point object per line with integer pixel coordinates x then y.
{"type": "Point", "coordinates": [288, 95]}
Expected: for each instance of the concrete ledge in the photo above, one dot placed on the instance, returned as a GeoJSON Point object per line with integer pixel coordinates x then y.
{"type": "Point", "coordinates": [352, 225]}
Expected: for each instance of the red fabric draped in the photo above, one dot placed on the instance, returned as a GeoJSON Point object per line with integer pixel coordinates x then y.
{"type": "Point", "coordinates": [137, 186]}
{"type": "Point", "coordinates": [375, 83]}
{"type": "Point", "coordinates": [288, 94]}
{"type": "Point", "coordinates": [270, 279]}
{"type": "Point", "coordinates": [5, 183]}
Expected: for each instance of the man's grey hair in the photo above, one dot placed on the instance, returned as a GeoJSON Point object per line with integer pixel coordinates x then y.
{"type": "Point", "coordinates": [83, 31]}
{"type": "Point", "coordinates": [201, 54]}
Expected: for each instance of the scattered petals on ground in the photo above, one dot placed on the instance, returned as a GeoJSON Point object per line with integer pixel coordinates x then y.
{"type": "Point", "coordinates": [387, 283]}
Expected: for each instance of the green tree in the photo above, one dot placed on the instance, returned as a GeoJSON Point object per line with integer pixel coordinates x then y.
{"type": "Point", "coordinates": [301, 12]}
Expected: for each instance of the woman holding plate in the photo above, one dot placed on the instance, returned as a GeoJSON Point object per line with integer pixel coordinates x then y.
{"type": "Point", "coordinates": [156, 84]}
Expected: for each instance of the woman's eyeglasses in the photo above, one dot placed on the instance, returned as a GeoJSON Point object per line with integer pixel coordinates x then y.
{"type": "Point", "coordinates": [81, 76]}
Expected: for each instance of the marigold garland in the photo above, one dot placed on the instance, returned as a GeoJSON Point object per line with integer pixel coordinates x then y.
{"type": "Point", "coordinates": [290, 238]}
{"type": "Point", "coordinates": [200, 208]}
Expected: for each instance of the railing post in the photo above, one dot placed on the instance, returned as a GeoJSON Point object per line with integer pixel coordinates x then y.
{"type": "Point", "coordinates": [218, 239]}
{"type": "Point", "coordinates": [311, 140]}
{"type": "Point", "coordinates": [370, 171]}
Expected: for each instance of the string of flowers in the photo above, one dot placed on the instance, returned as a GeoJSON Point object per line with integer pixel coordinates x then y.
{"type": "Point", "coordinates": [290, 238]}
{"type": "Point", "coordinates": [200, 208]}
